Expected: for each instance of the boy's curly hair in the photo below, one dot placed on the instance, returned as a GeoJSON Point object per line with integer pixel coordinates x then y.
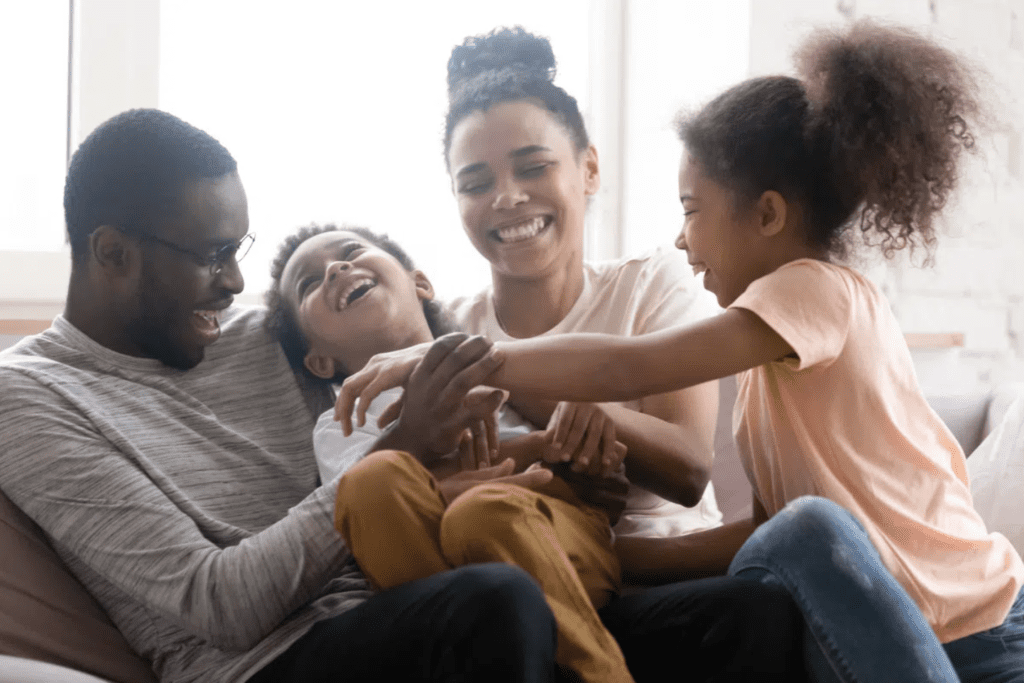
{"type": "Point", "coordinates": [281, 320]}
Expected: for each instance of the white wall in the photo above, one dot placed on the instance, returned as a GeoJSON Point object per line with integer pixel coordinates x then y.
{"type": "Point", "coordinates": [976, 286]}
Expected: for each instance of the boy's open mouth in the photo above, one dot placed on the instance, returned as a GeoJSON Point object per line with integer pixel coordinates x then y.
{"type": "Point", "coordinates": [355, 291]}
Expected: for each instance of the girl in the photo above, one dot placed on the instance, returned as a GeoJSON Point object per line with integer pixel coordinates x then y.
{"type": "Point", "coordinates": [870, 522]}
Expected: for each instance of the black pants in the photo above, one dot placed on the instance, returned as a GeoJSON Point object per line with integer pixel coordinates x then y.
{"type": "Point", "coordinates": [717, 629]}
{"type": "Point", "coordinates": [484, 622]}
{"type": "Point", "coordinates": [490, 623]}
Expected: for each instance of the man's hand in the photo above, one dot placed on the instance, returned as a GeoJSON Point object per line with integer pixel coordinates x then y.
{"type": "Point", "coordinates": [457, 484]}
{"type": "Point", "coordinates": [465, 361]}
{"type": "Point", "coordinates": [585, 435]}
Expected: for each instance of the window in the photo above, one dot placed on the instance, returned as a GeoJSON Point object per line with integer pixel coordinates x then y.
{"type": "Point", "coordinates": [334, 111]}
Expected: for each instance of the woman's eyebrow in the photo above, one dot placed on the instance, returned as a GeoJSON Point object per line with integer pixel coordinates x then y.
{"type": "Point", "coordinates": [472, 168]}
{"type": "Point", "coordinates": [529, 149]}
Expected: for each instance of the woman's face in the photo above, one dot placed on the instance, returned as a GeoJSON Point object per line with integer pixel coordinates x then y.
{"type": "Point", "coordinates": [521, 187]}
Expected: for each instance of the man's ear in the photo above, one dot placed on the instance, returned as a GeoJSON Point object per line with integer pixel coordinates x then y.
{"type": "Point", "coordinates": [771, 213]}
{"type": "Point", "coordinates": [424, 289]}
{"type": "Point", "coordinates": [592, 171]}
{"type": "Point", "coordinates": [320, 366]}
{"type": "Point", "coordinates": [111, 249]}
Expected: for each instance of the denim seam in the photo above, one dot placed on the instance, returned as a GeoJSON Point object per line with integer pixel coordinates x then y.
{"type": "Point", "coordinates": [846, 673]}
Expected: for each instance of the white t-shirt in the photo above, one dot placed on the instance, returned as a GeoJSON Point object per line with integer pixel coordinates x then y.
{"type": "Point", "coordinates": [629, 297]}
{"type": "Point", "coordinates": [336, 453]}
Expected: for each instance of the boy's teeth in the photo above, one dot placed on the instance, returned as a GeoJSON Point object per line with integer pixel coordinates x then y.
{"type": "Point", "coordinates": [361, 282]}
{"type": "Point", "coordinates": [521, 231]}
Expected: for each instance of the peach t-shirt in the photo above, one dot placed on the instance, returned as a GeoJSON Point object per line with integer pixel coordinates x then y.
{"type": "Point", "coordinates": [846, 420]}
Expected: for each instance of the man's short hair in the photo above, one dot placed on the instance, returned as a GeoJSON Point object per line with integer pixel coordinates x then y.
{"type": "Point", "coordinates": [129, 172]}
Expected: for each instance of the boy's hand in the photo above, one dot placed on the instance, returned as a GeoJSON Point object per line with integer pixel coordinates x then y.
{"type": "Point", "coordinates": [585, 435]}
{"type": "Point", "coordinates": [457, 484]}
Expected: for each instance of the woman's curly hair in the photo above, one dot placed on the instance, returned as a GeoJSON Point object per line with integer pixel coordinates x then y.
{"type": "Point", "coordinates": [870, 135]}
{"type": "Point", "coordinates": [281, 321]}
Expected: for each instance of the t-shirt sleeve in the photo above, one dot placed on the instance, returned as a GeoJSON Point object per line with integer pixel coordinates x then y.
{"type": "Point", "coordinates": [808, 304]}
{"type": "Point", "coordinates": [337, 453]}
{"type": "Point", "coordinates": [672, 295]}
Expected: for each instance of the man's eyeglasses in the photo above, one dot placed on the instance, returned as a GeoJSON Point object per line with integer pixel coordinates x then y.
{"type": "Point", "coordinates": [215, 261]}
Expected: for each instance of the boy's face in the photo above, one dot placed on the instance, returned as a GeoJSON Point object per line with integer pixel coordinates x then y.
{"type": "Point", "coordinates": [352, 300]}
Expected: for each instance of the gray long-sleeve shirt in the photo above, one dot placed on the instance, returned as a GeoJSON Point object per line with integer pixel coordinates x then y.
{"type": "Point", "coordinates": [186, 502]}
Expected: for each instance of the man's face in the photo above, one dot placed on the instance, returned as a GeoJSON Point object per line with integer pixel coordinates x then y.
{"type": "Point", "coordinates": [179, 297]}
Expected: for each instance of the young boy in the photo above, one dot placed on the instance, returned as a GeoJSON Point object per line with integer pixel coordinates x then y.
{"type": "Point", "coordinates": [341, 296]}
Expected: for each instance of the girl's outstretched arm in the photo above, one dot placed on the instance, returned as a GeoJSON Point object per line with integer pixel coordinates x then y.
{"type": "Point", "coordinates": [601, 367]}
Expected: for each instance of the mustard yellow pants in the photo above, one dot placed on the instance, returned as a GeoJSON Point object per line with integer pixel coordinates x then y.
{"type": "Point", "coordinates": [394, 520]}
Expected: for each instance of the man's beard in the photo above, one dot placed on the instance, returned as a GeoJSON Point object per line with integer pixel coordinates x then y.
{"type": "Point", "coordinates": [153, 328]}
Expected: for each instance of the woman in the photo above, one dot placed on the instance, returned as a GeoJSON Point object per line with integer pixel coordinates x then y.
{"type": "Point", "coordinates": [522, 170]}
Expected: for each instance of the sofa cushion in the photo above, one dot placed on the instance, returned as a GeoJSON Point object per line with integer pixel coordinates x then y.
{"type": "Point", "coordinates": [47, 615]}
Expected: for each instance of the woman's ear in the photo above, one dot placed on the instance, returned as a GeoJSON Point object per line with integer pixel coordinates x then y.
{"type": "Point", "coordinates": [320, 366]}
{"type": "Point", "coordinates": [771, 213]}
{"type": "Point", "coordinates": [424, 290]}
{"type": "Point", "coordinates": [592, 171]}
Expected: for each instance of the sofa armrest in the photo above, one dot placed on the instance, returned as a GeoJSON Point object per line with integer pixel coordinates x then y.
{"type": "Point", "coordinates": [18, 670]}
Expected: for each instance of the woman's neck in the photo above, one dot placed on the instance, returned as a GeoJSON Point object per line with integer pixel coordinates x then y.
{"type": "Point", "coordinates": [527, 307]}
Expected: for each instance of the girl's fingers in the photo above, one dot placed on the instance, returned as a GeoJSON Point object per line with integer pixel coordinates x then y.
{"type": "Point", "coordinates": [466, 456]}
{"type": "Point", "coordinates": [589, 453]}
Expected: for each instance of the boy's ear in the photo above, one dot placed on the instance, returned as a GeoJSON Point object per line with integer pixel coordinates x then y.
{"type": "Point", "coordinates": [771, 213]}
{"type": "Point", "coordinates": [320, 366]}
{"type": "Point", "coordinates": [424, 289]}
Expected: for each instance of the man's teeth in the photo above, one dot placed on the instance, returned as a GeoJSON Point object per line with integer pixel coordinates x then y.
{"type": "Point", "coordinates": [521, 231]}
{"type": "Point", "coordinates": [208, 316]}
{"type": "Point", "coordinates": [367, 282]}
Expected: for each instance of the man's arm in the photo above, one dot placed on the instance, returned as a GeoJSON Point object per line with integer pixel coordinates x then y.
{"type": "Point", "coordinates": [127, 522]}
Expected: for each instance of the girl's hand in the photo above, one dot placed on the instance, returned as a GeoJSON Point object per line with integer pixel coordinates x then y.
{"type": "Point", "coordinates": [468, 360]}
{"type": "Point", "coordinates": [584, 434]}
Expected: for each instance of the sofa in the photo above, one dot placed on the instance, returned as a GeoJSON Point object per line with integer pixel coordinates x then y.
{"type": "Point", "coordinates": [52, 631]}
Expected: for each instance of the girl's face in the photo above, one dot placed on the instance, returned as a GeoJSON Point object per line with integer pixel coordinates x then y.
{"type": "Point", "coordinates": [720, 241]}
{"type": "Point", "coordinates": [351, 299]}
{"type": "Point", "coordinates": [521, 187]}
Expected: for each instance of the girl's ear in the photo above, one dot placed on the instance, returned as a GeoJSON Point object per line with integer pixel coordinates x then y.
{"type": "Point", "coordinates": [424, 289]}
{"type": "Point", "coordinates": [771, 213]}
{"type": "Point", "coordinates": [320, 366]}
{"type": "Point", "coordinates": [592, 171]}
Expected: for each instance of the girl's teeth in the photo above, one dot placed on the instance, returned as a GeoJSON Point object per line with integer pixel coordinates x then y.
{"type": "Point", "coordinates": [522, 231]}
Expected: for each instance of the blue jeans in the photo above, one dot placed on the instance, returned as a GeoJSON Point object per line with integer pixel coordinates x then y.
{"type": "Point", "coordinates": [860, 624]}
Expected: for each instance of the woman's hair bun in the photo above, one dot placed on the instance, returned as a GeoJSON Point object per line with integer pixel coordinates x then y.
{"type": "Point", "coordinates": [503, 48]}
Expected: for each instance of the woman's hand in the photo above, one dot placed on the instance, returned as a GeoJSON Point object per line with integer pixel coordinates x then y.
{"type": "Point", "coordinates": [584, 434]}
{"type": "Point", "coordinates": [466, 360]}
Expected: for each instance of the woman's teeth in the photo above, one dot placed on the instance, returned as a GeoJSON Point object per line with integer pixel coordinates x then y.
{"type": "Point", "coordinates": [521, 231]}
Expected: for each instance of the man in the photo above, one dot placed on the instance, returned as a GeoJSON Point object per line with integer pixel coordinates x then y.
{"type": "Point", "coordinates": [159, 438]}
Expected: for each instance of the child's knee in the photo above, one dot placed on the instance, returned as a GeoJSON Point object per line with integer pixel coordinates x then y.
{"type": "Point", "coordinates": [807, 526]}
{"type": "Point", "coordinates": [487, 511]}
{"type": "Point", "coordinates": [375, 480]}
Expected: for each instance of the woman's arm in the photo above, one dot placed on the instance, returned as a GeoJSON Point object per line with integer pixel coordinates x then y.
{"type": "Point", "coordinates": [679, 558]}
{"type": "Point", "coordinates": [670, 441]}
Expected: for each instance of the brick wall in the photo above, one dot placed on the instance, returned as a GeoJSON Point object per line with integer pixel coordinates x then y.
{"type": "Point", "coordinates": [977, 284]}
